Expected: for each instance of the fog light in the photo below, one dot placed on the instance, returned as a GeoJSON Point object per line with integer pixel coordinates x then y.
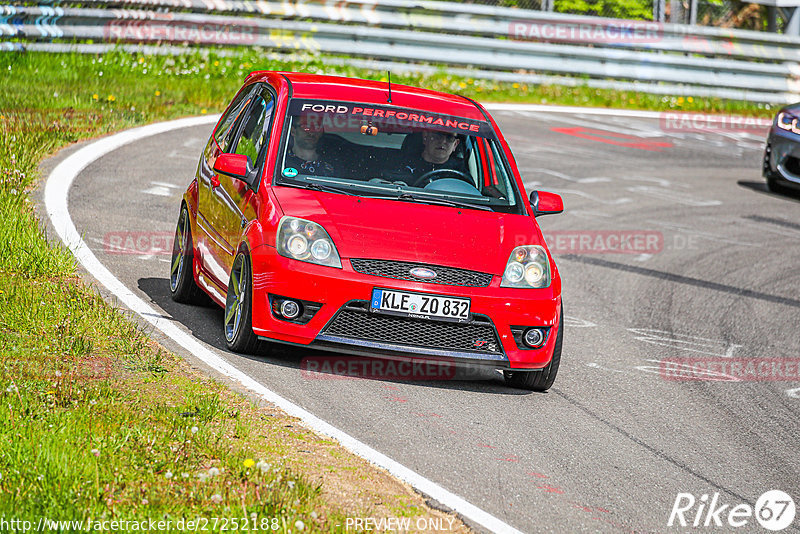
{"type": "Point", "coordinates": [290, 309]}
{"type": "Point", "coordinates": [534, 337]}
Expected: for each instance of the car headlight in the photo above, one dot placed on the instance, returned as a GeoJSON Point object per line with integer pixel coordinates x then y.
{"type": "Point", "coordinates": [528, 267]}
{"type": "Point", "coordinates": [304, 240]}
{"type": "Point", "coordinates": [787, 122]}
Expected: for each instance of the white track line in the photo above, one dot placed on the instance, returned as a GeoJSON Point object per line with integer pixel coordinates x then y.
{"type": "Point", "coordinates": [56, 192]}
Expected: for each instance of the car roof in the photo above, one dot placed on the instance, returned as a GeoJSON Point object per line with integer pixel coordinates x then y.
{"type": "Point", "coordinates": [340, 88]}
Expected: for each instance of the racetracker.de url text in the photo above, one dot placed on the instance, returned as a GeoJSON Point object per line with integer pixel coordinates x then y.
{"type": "Point", "coordinates": [196, 524]}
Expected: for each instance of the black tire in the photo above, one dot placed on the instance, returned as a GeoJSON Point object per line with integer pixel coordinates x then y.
{"type": "Point", "coordinates": [773, 185]}
{"type": "Point", "coordinates": [237, 321]}
{"type": "Point", "coordinates": [539, 380]}
{"type": "Point", "coordinates": [181, 278]}
{"type": "Point", "coordinates": [770, 175]}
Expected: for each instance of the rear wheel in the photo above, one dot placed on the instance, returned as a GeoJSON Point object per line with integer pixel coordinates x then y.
{"type": "Point", "coordinates": [181, 279]}
{"type": "Point", "coordinates": [539, 380]}
{"type": "Point", "coordinates": [238, 318]}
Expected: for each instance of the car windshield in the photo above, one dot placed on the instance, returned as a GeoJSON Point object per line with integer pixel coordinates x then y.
{"type": "Point", "coordinates": [397, 153]}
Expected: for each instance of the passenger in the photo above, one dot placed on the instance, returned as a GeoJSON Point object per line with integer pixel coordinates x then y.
{"type": "Point", "coordinates": [304, 152]}
{"type": "Point", "coordinates": [437, 153]}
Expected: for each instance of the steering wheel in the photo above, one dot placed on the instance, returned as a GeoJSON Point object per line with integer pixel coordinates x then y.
{"type": "Point", "coordinates": [438, 174]}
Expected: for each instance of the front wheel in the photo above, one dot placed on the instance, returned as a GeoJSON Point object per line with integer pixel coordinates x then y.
{"type": "Point", "coordinates": [238, 318]}
{"type": "Point", "coordinates": [772, 183]}
{"type": "Point", "coordinates": [539, 380]}
{"type": "Point", "coordinates": [769, 174]}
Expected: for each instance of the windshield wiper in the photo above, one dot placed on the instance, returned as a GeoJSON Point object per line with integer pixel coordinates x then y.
{"type": "Point", "coordinates": [441, 202]}
{"type": "Point", "coordinates": [403, 196]}
{"type": "Point", "coordinates": [318, 187]}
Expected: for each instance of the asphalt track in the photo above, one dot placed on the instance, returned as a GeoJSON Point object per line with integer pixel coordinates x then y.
{"type": "Point", "coordinates": [609, 448]}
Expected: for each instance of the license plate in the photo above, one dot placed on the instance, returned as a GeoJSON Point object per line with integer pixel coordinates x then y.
{"type": "Point", "coordinates": [420, 305]}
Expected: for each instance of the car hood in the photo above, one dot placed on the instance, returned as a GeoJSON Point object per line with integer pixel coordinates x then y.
{"type": "Point", "coordinates": [407, 231]}
{"type": "Point", "coordinates": [794, 109]}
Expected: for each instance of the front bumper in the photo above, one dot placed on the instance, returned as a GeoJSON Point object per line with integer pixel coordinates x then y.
{"type": "Point", "coordinates": [782, 158]}
{"type": "Point", "coordinates": [345, 324]}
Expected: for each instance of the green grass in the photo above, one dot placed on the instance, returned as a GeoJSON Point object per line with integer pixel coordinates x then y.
{"type": "Point", "coordinates": [97, 422]}
{"type": "Point", "coordinates": [95, 419]}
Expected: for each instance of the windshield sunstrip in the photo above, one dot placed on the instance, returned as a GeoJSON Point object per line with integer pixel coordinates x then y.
{"type": "Point", "coordinates": [349, 116]}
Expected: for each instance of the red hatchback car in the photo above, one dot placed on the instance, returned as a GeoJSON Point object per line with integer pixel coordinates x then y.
{"type": "Point", "coordinates": [371, 219]}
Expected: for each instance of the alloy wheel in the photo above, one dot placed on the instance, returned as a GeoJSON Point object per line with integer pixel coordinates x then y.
{"type": "Point", "coordinates": [179, 252]}
{"type": "Point", "coordinates": [235, 302]}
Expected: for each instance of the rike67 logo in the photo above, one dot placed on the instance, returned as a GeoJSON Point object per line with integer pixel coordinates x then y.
{"type": "Point", "coordinates": [774, 510]}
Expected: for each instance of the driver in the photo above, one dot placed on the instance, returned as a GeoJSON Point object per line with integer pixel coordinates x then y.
{"type": "Point", "coordinates": [437, 153]}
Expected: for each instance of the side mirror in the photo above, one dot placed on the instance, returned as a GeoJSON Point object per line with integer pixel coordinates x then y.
{"type": "Point", "coordinates": [236, 166]}
{"type": "Point", "coordinates": [544, 203]}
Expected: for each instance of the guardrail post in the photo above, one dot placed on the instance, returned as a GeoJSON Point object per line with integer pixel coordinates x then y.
{"type": "Point", "coordinates": [676, 15]}
{"type": "Point", "coordinates": [772, 19]}
{"type": "Point", "coordinates": [693, 12]}
{"type": "Point", "coordinates": [659, 10]}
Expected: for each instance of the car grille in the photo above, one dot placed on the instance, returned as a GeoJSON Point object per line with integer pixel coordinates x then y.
{"type": "Point", "coordinates": [478, 336]}
{"type": "Point", "coordinates": [400, 270]}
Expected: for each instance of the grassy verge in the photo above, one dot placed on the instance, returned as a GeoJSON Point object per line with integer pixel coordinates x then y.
{"type": "Point", "coordinates": [91, 83]}
{"type": "Point", "coordinates": [97, 421]}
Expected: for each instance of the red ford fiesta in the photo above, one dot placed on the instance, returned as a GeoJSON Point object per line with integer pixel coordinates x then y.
{"type": "Point", "coordinates": [370, 219]}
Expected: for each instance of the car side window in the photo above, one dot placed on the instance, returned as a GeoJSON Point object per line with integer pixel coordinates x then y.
{"type": "Point", "coordinates": [255, 133]}
{"type": "Point", "coordinates": [226, 131]}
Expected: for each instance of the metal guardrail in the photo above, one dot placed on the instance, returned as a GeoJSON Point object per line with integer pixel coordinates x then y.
{"type": "Point", "coordinates": [489, 21]}
{"type": "Point", "coordinates": [490, 42]}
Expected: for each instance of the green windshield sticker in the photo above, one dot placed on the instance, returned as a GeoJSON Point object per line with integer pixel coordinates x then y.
{"type": "Point", "coordinates": [290, 172]}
